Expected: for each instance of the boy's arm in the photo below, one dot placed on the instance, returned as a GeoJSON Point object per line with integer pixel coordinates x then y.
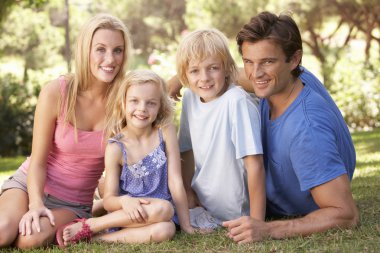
{"type": "Point", "coordinates": [256, 185]}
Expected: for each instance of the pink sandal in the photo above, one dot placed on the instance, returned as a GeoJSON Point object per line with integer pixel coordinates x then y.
{"type": "Point", "coordinates": [85, 234]}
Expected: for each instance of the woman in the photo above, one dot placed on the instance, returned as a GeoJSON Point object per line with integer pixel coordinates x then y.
{"type": "Point", "coordinates": [55, 185]}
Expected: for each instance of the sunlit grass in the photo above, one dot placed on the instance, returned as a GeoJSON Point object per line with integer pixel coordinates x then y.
{"type": "Point", "coordinates": [366, 238]}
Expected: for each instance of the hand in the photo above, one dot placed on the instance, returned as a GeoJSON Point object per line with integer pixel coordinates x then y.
{"type": "Point", "coordinates": [174, 88]}
{"type": "Point", "coordinates": [134, 210]}
{"type": "Point", "coordinates": [246, 229]}
{"type": "Point", "coordinates": [32, 217]}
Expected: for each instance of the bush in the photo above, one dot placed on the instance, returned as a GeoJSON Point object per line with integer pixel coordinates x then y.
{"type": "Point", "coordinates": [16, 117]}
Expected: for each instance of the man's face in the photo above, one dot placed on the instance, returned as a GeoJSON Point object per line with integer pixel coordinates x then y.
{"type": "Point", "coordinates": [266, 67]}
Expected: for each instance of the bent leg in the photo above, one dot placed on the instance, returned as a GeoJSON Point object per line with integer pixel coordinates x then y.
{"type": "Point", "coordinates": [158, 211]}
{"type": "Point", "coordinates": [47, 235]}
{"type": "Point", "coordinates": [13, 205]}
{"type": "Point", "coordinates": [157, 232]}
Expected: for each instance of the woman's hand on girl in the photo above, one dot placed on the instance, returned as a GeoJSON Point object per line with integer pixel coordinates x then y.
{"type": "Point", "coordinates": [134, 209]}
{"type": "Point", "coordinates": [32, 218]}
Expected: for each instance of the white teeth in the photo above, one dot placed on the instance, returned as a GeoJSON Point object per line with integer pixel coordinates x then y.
{"type": "Point", "coordinates": [262, 82]}
{"type": "Point", "coordinates": [107, 68]}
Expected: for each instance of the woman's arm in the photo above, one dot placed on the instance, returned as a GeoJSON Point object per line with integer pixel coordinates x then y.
{"type": "Point", "coordinates": [176, 187]}
{"type": "Point", "coordinates": [43, 131]}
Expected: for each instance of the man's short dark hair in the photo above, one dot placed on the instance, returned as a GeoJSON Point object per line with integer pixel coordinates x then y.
{"type": "Point", "coordinates": [281, 29]}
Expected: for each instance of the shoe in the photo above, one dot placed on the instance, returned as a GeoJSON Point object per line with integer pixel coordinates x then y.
{"type": "Point", "coordinates": [201, 218]}
{"type": "Point", "coordinates": [85, 234]}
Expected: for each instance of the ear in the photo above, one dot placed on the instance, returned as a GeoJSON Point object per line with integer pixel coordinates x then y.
{"type": "Point", "coordinates": [296, 58]}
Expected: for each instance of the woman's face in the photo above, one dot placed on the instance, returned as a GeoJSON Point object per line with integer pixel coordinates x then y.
{"type": "Point", "coordinates": [106, 55]}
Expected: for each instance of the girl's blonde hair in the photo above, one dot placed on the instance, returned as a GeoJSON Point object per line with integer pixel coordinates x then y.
{"type": "Point", "coordinates": [200, 44]}
{"type": "Point", "coordinates": [116, 120]}
{"type": "Point", "coordinates": [80, 80]}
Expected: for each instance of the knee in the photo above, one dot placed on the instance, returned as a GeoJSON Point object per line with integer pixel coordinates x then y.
{"type": "Point", "coordinates": [163, 231]}
{"type": "Point", "coordinates": [8, 232]}
{"type": "Point", "coordinates": [164, 211]}
{"type": "Point", "coordinates": [35, 240]}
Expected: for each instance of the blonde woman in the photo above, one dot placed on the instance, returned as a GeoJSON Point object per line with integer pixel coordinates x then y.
{"type": "Point", "coordinates": [55, 185]}
{"type": "Point", "coordinates": [143, 173]}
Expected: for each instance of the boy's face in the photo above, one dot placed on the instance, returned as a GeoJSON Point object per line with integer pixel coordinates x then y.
{"type": "Point", "coordinates": [266, 67]}
{"type": "Point", "coordinates": [207, 78]}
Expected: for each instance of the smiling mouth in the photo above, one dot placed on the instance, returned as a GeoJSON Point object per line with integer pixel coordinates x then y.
{"type": "Point", "coordinates": [140, 117]}
{"type": "Point", "coordinates": [107, 69]}
{"type": "Point", "coordinates": [206, 87]}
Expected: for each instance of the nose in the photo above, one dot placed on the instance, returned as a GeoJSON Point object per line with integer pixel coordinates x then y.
{"type": "Point", "coordinates": [204, 75]}
{"type": "Point", "coordinates": [141, 106]}
{"type": "Point", "coordinates": [254, 71]}
{"type": "Point", "coordinates": [109, 57]}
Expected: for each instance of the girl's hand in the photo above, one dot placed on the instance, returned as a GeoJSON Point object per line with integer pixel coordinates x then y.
{"type": "Point", "coordinates": [134, 209]}
{"type": "Point", "coordinates": [32, 218]}
{"type": "Point", "coordinates": [192, 230]}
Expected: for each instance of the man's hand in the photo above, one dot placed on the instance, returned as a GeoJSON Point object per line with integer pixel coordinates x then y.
{"type": "Point", "coordinates": [174, 88]}
{"type": "Point", "coordinates": [246, 229]}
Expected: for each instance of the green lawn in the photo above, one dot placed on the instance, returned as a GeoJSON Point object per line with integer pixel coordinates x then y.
{"type": "Point", "coordinates": [366, 238]}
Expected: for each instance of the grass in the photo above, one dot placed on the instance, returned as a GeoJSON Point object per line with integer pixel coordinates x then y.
{"type": "Point", "coordinates": [366, 238]}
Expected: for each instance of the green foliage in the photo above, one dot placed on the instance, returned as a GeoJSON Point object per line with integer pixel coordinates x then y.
{"type": "Point", "coordinates": [365, 238]}
{"type": "Point", "coordinates": [16, 117]}
{"type": "Point", "coordinates": [35, 41]}
{"type": "Point", "coordinates": [356, 91]}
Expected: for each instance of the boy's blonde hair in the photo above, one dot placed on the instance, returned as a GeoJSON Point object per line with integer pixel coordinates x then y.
{"type": "Point", "coordinates": [80, 80]}
{"type": "Point", "coordinates": [200, 44]}
{"type": "Point", "coordinates": [116, 120]}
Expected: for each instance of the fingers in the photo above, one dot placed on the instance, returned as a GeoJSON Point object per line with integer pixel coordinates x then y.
{"type": "Point", "coordinates": [50, 215]}
{"type": "Point", "coordinates": [36, 222]}
{"type": "Point", "coordinates": [231, 223]}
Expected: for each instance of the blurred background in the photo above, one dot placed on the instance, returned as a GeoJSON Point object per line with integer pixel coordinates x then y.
{"type": "Point", "coordinates": [341, 46]}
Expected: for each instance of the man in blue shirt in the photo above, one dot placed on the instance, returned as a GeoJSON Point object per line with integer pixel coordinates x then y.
{"type": "Point", "coordinates": [308, 152]}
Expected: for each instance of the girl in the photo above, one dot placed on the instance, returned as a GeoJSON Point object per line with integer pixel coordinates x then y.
{"type": "Point", "coordinates": [56, 183]}
{"type": "Point", "coordinates": [143, 175]}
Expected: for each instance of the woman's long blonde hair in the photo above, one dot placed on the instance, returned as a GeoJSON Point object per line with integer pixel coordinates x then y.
{"type": "Point", "coordinates": [116, 120]}
{"type": "Point", "coordinates": [80, 80]}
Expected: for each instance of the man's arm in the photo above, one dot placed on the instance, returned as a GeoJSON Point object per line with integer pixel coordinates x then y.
{"type": "Point", "coordinates": [174, 87]}
{"type": "Point", "coordinates": [337, 210]}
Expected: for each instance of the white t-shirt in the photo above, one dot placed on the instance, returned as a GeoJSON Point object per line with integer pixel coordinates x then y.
{"type": "Point", "coordinates": [221, 133]}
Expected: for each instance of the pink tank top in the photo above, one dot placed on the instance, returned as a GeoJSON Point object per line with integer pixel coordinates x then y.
{"type": "Point", "coordinates": [73, 167]}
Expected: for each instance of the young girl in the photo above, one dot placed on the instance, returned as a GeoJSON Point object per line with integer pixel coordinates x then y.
{"type": "Point", "coordinates": [143, 175]}
{"type": "Point", "coordinates": [220, 132]}
{"type": "Point", "coordinates": [56, 183]}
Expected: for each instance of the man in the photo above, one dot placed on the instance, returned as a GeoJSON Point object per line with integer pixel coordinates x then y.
{"type": "Point", "coordinates": [308, 152]}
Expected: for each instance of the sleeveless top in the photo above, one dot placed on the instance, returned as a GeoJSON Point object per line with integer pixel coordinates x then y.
{"type": "Point", "coordinates": [73, 166]}
{"type": "Point", "coordinates": [146, 178]}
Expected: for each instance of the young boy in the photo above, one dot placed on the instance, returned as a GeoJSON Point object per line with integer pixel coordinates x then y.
{"type": "Point", "coordinates": [219, 134]}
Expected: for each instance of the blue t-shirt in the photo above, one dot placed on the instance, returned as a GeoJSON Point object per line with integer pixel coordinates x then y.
{"type": "Point", "coordinates": [308, 145]}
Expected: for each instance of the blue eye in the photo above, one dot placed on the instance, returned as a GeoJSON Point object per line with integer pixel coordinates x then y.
{"type": "Point", "coordinates": [118, 50]}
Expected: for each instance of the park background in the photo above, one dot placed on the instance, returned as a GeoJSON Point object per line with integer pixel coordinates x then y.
{"type": "Point", "coordinates": [341, 46]}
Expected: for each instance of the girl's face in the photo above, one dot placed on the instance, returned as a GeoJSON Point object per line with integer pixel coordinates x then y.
{"type": "Point", "coordinates": [107, 55]}
{"type": "Point", "coordinates": [207, 78]}
{"type": "Point", "coordinates": [143, 105]}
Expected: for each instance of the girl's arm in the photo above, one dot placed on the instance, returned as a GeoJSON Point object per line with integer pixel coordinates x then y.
{"type": "Point", "coordinates": [256, 185]}
{"type": "Point", "coordinates": [45, 118]}
{"type": "Point", "coordinates": [175, 182]}
{"type": "Point", "coordinates": [112, 200]}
